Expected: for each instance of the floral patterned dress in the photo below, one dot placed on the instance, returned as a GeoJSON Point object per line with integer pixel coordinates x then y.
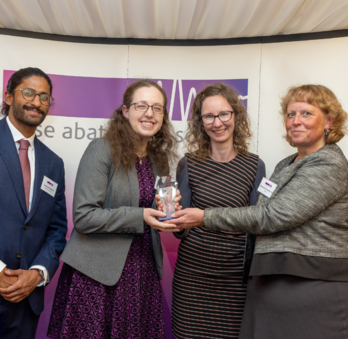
{"type": "Point", "coordinates": [85, 308]}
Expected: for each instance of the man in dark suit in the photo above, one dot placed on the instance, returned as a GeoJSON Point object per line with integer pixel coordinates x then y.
{"type": "Point", "coordinates": [32, 204]}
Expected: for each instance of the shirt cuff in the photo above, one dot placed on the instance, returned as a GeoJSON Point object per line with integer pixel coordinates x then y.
{"type": "Point", "coordinates": [2, 266]}
{"type": "Point", "coordinates": [46, 278]}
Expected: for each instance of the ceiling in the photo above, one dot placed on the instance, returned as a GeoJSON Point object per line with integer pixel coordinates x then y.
{"type": "Point", "coordinates": [174, 19]}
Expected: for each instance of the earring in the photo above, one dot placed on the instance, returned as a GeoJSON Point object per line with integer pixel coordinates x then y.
{"type": "Point", "coordinates": [326, 133]}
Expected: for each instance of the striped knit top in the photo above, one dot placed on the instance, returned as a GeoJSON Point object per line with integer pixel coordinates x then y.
{"type": "Point", "coordinates": [217, 184]}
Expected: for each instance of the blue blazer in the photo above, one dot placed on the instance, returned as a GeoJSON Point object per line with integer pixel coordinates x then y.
{"type": "Point", "coordinates": [37, 238]}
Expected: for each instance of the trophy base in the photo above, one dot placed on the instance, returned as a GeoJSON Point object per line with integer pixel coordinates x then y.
{"type": "Point", "coordinates": [168, 217]}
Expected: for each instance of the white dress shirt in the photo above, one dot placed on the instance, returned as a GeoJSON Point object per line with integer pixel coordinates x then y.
{"type": "Point", "coordinates": [17, 136]}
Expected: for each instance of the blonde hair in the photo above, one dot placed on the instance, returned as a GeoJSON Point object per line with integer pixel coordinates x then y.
{"type": "Point", "coordinates": [323, 98]}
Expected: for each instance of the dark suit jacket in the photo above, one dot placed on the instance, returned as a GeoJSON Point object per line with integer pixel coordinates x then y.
{"type": "Point", "coordinates": [106, 217]}
{"type": "Point", "coordinates": [37, 238]}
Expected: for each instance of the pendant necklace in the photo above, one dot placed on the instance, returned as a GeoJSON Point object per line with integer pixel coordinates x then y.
{"type": "Point", "coordinates": [141, 159]}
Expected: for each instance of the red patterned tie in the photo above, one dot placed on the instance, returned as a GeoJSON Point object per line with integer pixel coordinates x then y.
{"type": "Point", "coordinates": [23, 158]}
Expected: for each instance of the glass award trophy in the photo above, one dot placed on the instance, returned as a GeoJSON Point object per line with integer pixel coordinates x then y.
{"type": "Point", "coordinates": [166, 189]}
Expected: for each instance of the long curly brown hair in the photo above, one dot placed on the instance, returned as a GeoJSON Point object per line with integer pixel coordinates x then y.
{"type": "Point", "coordinates": [125, 143]}
{"type": "Point", "coordinates": [323, 98]}
{"type": "Point", "coordinates": [197, 140]}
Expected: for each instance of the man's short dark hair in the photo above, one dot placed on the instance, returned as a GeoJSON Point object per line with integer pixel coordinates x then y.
{"type": "Point", "coordinates": [18, 77]}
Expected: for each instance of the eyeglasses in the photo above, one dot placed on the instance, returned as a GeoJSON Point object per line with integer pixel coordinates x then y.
{"type": "Point", "coordinates": [29, 95]}
{"type": "Point", "coordinates": [142, 107]}
{"type": "Point", "coordinates": [223, 116]}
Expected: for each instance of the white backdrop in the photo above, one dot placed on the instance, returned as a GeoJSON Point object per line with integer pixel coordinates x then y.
{"type": "Point", "coordinates": [295, 63]}
{"type": "Point", "coordinates": [268, 68]}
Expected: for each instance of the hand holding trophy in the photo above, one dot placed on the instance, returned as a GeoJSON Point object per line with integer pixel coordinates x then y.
{"type": "Point", "coordinates": [168, 196]}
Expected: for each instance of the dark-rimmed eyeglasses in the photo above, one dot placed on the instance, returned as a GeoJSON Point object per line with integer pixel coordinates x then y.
{"type": "Point", "coordinates": [29, 95]}
{"type": "Point", "coordinates": [210, 118]}
{"type": "Point", "coordinates": [142, 107]}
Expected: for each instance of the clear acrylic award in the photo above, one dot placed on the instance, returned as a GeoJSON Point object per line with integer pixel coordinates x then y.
{"type": "Point", "coordinates": [166, 189]}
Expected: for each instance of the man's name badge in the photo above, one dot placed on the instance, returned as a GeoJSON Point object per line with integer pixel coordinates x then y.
{"type": "Point", "coordinates": [267, 187]}
{"type": "Point", "coordinates": [49, 186]}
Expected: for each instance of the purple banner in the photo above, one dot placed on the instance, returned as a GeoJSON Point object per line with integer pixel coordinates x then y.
{"type": "Point", "coordinates": [86, 97]}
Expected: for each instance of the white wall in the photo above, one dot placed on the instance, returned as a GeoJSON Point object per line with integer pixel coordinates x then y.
{"type": "Point", "coordinates": [269, 68]}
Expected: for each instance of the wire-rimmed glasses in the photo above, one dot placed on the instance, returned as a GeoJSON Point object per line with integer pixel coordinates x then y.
{"type": "Point", "coordinates": [143, 107]}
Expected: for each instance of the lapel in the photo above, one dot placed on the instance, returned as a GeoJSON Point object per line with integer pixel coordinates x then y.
{"type": "Point", "coordinates": [41, 168]}
{"type": "Point", "coordinates": [8, 152]}
{"type": "Point", "coordinates": [283, 174]}
{"type": "Point", "coordinates": [134, 186]}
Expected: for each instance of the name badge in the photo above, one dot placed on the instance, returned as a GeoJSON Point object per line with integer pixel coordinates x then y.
{"type": "Point", "coordinates": [49, 186]}
{"type": "Point", "coordinates": [267, 187]}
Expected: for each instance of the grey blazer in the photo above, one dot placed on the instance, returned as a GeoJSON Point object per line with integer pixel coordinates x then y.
{"type": "Point", "coordinates": [106, 216]}
{"type": "Point", "coordinates": [307, 214]}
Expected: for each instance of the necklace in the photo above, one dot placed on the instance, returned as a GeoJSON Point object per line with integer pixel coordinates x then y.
{"type": "Point", "coordinates": [141, 159]}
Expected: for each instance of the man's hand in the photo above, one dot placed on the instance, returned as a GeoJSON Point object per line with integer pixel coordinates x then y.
{"type": "Point", "coordinates": [6, 281]}
{"type": "Point", "coordinates": [25, 284]}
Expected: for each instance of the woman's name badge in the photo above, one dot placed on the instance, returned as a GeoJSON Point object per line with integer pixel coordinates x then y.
{"type": "Point", "coordinates": [267, 187]}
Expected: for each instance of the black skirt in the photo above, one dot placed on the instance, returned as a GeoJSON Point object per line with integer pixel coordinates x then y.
{"type": "Point", "coordinates": [290, 307]}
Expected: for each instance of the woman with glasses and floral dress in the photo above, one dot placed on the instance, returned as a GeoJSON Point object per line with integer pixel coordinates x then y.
{"type": "Point", "coordinates": [217, 171]}
{"type": "Point", "coordinates": [109, 286]}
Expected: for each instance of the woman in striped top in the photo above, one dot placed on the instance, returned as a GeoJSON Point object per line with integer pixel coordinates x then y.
{"type": "Point", "coordinates": [217, 171]}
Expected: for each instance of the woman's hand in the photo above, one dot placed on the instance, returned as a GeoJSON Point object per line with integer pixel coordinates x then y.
{"type": "Point", "coordinates": [188, 218]}
{"type": "Point", "coordinates": [159, 203]}
{"type": "Point", "coordinates": [150, 217]}
{"type": "Point", "coordinates": [176, 201]}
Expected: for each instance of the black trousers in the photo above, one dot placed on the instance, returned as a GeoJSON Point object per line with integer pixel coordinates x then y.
{"type": "Point", "coordinates": [17, 320]}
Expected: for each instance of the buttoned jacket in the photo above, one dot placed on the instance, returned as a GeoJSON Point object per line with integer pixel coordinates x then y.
{"type": "Point", "coordinates": [307, 213]}
{"type": "Point", "coordinates": [37, 237]}
{"type": "Point", "coordinates": [106, 216]}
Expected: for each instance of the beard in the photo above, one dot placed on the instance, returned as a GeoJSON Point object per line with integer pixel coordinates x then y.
{"type": "Point", "coordinates": [20, 115]}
